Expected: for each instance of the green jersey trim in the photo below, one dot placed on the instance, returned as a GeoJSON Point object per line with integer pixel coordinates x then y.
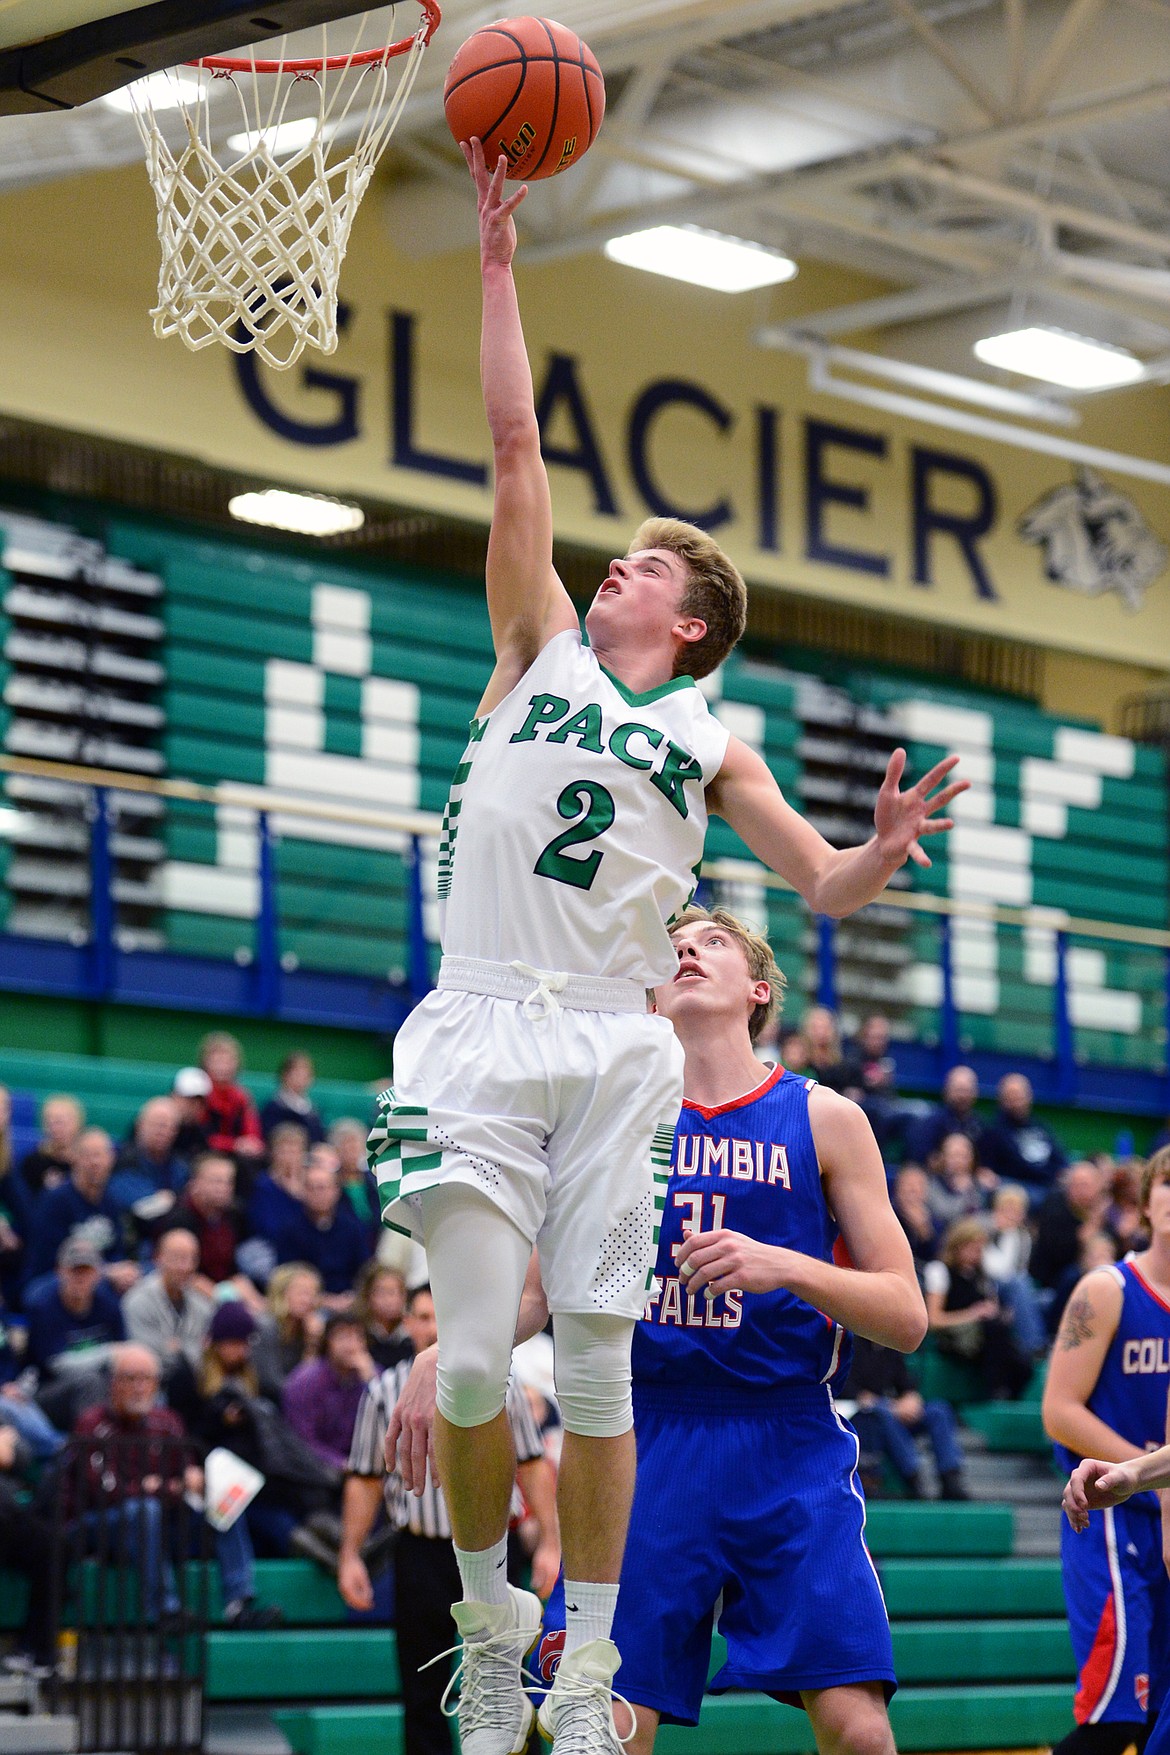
{"type": "Point", "coordinates": [635, 700]}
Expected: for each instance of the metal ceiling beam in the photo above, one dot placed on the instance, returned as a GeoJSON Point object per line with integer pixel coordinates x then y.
{"type": "Point", "coordinates": [911, 306]}
{"type": "Point", "coordinates": [1079, 14]}
{"type": "Point", "coordinates": [983, 99]}
{"type": "Point", "coordinates": [1057, 213]}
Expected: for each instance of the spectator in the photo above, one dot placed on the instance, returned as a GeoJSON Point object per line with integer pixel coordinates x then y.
{"type": "Point", "coordinates": [17, 1407]}
{"type": "Point", "coordinates": [381, 1305]}
{"type": "Point", "coordinates": [1019, 1148]}
{"type": "Point", "coordinates": [1123, 1214]}
{"type": "Point", "coordinates": [794, 1051]}
{"type": "Point", "coordinates": [954, 1190]}
{"type": "Point", "coordinates": [826, 1063]}
{"type": "Point", "coordinates": [426, 1576]}
{"type": "Point", "coordinates": [965, 1317]}
{"type": "Point", "coordinates": [879, 1084]}
{"type": "Point", "coordinates": [189, 1091]}
{"type": "Point", "coordinates": [956, 1114]}
{"type": "Point", "coordinates": [1005, 1260]}
{"type": "Point", "coordinates": [291, 1327]}
{"type": "Point", "coordinates": [51, 1159]}
{"type": "Point", "coordinates": [15, 1206]}
{"type": "Point", "coordinates": [348, 1139]}
{"type": "Point", "coordinates": [912, 1205]}
{"type": "Point", "coordinates": [74, 1319]}
{"type": "Point", "coordinates": [278, 1193]}
{"type": "Point", "coordinates": [891, 1414]}
{"type": "Point", "coordinates": [224, 1405]}
{"type": "Point", "coordinates": [83, 1203]}
{"type": "Point", "coordinates": [290, 1103]}
{"type": "Point", "coordinates": [1098, 1249]}
{"type": "Point", "coordinates": [148, 1164]}
{"type": "Point", "coordinates": [321, 1397]}
{"type": "Point", "coordinates": [26, 1546]}
{"type": "Point", "coordinates": [132, 1488]}
{"type": "Point", "coordinates": [1074, 1209]}
{"type": "Point", "coordinates": [207, 1207]}
{"type": "Point", "coordinates": [328, 1234]}
{"type": "Point", "coordinates": [229, 1114]}
{"type": "Point", "coordinates": [166, 1311]}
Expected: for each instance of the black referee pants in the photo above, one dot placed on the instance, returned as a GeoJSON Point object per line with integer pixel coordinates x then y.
{"type": "Point", "coordinates": [426, 1583]}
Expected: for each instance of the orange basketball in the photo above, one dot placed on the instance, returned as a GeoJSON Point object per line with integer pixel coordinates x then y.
{"type": "Point", "coordinates": [529, 89]}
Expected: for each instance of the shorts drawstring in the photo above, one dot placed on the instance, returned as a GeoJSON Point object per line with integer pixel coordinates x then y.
{"type": "Point", "coordinates": [542, 1002]}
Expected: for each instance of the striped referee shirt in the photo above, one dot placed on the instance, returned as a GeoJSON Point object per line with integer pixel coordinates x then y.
{"type": "Point", "coordinates": [425, 1514]}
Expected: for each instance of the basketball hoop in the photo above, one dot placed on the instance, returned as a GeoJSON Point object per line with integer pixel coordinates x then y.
{"type": "Point", "coordinates": [253, 235]}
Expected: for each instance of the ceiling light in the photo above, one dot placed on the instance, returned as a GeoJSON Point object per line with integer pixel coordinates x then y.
{"type": "Point", "coordinates": [281, 138]}
{"type": "Point", "coordinates": [686, 252]}
{"type": "Point", "coordinates": [307, 514]}
{"type": "Point", "coordinates": [1058, 357]}
{"type": "Point", "coordinates": [158, 91]}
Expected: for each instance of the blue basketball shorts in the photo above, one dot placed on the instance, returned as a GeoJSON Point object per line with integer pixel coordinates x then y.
{"type": "Point", "coordinates": [1118, 1600]}
{"type": "Point", "coordinates": [747, 1513]}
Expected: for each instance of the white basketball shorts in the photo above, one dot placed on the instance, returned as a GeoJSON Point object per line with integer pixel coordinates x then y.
{"type": "Point", "coordinates": [560, 1112]}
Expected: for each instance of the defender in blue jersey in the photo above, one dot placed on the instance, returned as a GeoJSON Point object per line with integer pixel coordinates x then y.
{"type": "Point", "coordinates": [747, 1506]}
{"type": "Point", "coordinates": [1105, 1401]}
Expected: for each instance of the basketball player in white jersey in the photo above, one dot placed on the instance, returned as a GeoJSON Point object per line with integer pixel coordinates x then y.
{"type": "Point", "coordinates": [535, 1096]}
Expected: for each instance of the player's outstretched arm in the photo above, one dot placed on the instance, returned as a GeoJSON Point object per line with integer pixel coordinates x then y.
{"type": "Point", "coordinates": [1086, 1329]}
{"type": "Point", "coordinates": [879, 1295]}
{"type": "Point", "coordinates": [526, 601]}
{"type": "Point", "coordinates": [832, 881]}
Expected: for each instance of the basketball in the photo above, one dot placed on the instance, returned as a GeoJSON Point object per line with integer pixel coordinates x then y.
{"type": "Point", "coordinates": [530, 89]}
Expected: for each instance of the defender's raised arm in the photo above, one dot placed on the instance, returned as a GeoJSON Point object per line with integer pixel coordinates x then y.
{"type": "Point", "coordinates": [526, 601]}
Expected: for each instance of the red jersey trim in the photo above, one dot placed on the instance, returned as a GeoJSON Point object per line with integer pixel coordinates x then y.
{"type": "Point", "coordinates": [1146, 1286]}
{"type": "Point", "coordinates": [761, 1090]}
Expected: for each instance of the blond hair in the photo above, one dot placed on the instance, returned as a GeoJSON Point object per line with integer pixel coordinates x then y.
{"type": "Point", "coordinates": [714, 591]}
{"type": "Point", "coordinates": [757, 954]}
{"type": "Point", "coordinates": [958, 1235]}
{"type": "Point", "coordinates": [279, 1281]}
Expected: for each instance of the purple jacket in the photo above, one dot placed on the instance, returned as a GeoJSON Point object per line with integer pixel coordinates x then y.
{"type": "Point", "coordinates": [322, 1408]}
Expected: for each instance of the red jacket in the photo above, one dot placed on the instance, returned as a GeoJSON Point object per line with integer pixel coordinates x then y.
{"type": "Point", "coordinates": [229, 1114]}
{"type": "Point", "coordinates": [119, 1453]}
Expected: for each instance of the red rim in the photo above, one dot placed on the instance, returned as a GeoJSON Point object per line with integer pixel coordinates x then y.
{"type": "Point", "coordinates": [328, 64]}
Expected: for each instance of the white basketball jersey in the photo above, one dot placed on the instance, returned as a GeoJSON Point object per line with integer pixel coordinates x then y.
{"type": "Point", "coordinates": [576, 820]}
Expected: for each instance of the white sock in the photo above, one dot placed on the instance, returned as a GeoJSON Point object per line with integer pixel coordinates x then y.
{"type": "Point", "coordinates": [588, 1612]}
{"type": "Point", "coordinates": [484, 1572]}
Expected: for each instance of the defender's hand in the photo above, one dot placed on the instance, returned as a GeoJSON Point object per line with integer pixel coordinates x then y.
{"type": "Point", "coordinates": [1094, 1485]}
{"type": "Point", "coordinates": [410, 1440]}
{"type": "Point", "coordinates": [497, 229]}
{"type": "Point", "coordinates": [900, 818]}
{"type": "Point", "coordinates": [726, 1261]}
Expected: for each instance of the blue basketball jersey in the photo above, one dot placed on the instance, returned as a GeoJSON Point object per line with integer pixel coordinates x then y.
{"type": "Point", "coordinates": [747, 1166]}
{"type": "Point", "coordinates": [1130, 1394]}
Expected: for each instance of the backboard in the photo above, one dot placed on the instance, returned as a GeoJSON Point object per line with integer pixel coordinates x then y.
{"type": "Point", "coordinates": [55, 54]}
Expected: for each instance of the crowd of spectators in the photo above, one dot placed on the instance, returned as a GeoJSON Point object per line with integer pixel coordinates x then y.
{"type": "Point", "coordinates": [224, 1266]}
{"type": "Point", "coordinates": [218, 1278]}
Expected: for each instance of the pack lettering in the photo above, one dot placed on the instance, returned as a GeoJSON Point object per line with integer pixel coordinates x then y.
{"type": "Point", "coordinates": [553, 718]}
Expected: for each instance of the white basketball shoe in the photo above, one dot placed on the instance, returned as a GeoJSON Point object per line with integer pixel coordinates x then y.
{"type": "Point", "coordinates": [495, 1714]}
{"type": "Point", "coordinates": [576, 1715]}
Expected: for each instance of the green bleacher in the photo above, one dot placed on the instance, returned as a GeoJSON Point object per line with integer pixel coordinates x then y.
{"type": "Point", "coordinates": [980, 1641]}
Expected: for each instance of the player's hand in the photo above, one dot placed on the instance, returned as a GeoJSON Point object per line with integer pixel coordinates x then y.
{"type": "Point", "coordinates": [546, 1563]}
{"type": "Point", "coordinates": [1094, 1485]}
{"type": "Point", "coordinates": [353, 1581]}
{"type": "Point", "coordinates": [497, 229]}
{"type": "Point", "coordinates": [727, 1261]}
{"type": "Point", "coordinates": [901, 818]}
{"type": "Point", "coordinates": [410, 1439]}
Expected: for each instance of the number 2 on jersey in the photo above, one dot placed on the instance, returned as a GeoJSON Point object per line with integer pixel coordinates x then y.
{"type": "Point", "coordinates": [595, 809]}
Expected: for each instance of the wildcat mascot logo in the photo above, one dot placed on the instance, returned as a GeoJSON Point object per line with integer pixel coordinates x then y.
{"type": "Point", "coordinates": [1095, 540]}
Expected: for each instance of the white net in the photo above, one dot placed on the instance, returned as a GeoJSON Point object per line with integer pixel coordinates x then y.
{"type": "Point", "coordinates": [258, 176]}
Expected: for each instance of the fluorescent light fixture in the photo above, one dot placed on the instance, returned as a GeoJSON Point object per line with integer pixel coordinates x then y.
{"type": "Point", "coordinates": [158, 91]}
{"type": "Point", "coordinates": [307, 514]}
{"type": "Point", "coordinates": [711, 259]}
{"type": "Point", "coordinates": [1058, 357]}
{"type": "Point", "coordinates": [280, 139]}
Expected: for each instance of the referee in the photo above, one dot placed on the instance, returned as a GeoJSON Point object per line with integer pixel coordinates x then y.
{"type": "Point", "coordinates": [426, 1578]}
